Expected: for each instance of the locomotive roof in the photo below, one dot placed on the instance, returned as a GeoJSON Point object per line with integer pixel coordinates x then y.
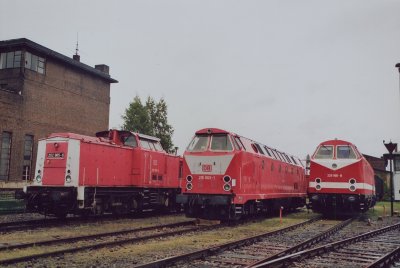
{"type": "Point", "coordinates": [221, 131]}
{"type": "Point", "coordinates": [211, 131]}
{"type": "Point", "coordinates": [336, 142]}
{"type": "Point", "coordinates": [100, 134]}
{"type": "Point", "coordinates": [73, 136]}
{"type": "Point", "coordinates": [147, 137]}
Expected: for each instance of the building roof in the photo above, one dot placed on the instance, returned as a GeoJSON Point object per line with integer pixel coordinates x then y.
{"type": "Point", "coordinates": [376, 163]}
{"type": "Point", "coordinates": [24, 42]}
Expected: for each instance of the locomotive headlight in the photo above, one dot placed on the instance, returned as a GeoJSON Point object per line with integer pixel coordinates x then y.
{"type": "Point", "coordinates": [318, 180]}
{"type": "Point", "coordinates": [189, 178]}
{"type": "Point", "coordinates": [227, 179]}
{"type": "Point", "coordinates": [318, 187]}
{"type": "Point", "coordinates": [189, 186]}
{"type": "Point", "coordinates": [68, 178]}
{"type": "Point", "coordinates": [38, 178]}
{"type": "Point", "coordinates": [334, 165]}
{"type": "Point", "coordinates": [352, 188]}
{"type": "Point", "coordinates": [352, 181]}
{"type": "Point", "coordinates": [227, 187]}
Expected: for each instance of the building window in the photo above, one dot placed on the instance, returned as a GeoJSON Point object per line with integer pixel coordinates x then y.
{"type": "Point", "coordinates": [27, 162]}
{"type": "Point", "coordinates": [5, 155]}
{"type": "Point", "coordinates": [10, 59]}
{"type": "Point", "coordinates": [34, 63]}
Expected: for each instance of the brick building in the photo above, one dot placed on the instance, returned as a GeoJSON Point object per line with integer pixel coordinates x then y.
{"type": "Point", "coordinates": [379, 166]}
{"type": "Point", "coordinates": [41, 92]}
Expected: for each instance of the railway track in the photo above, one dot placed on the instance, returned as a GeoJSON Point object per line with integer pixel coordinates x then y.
{"type": "Point", "coordinates": [11, 226]}
{"type": "Point", "coordinates": [377, 248]}
{"type": "Point", "coordinates": [54, 247]}
{"type": "Point", "coordinates": [232, 254]}
{"type": "Point", "coordinates": [59, 246]}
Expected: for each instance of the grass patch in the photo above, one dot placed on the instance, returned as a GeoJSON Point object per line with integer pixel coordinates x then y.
{"type": "Point", "coordinates": [86, 229]}
{"type": "Point", "coordinates": [161, 248]}
{"type": "Point", "coordinates": [383, 209]}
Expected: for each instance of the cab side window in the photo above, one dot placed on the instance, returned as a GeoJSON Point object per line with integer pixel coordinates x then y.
{"type": "Point", "coordinates": [130, 141]}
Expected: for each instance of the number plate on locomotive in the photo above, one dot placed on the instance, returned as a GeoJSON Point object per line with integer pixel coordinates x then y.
{"type": "Point", "coordinates": [55, 155]}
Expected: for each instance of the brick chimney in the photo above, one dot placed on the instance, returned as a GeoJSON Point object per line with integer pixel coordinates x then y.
{"type": "Point", "coordinates": [103, 68]}
{"type": "Point", "coordinates": [76, 57]}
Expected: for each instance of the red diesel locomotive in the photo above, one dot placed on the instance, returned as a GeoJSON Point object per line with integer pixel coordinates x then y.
{"type": "Point", "coordinates": [229, 176]}
{"type": "Point", "coordinates": [116, 171]}
{"type": "Point", "coordinates": [341, 180]}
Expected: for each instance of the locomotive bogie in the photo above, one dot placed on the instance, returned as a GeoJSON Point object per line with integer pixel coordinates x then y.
{"type": "Point", "coordinates": [341, 203]}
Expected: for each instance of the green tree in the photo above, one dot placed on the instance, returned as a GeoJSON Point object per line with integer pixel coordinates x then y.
{"type": "Point", "coordinates": [150, 119]}
{"type": "Point", "coordinates": [158, 112]}
{"type": "Point", "coordinates": [136, 118]}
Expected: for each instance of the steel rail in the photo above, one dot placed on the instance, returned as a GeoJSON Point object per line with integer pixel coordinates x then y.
{"type": "Point", "coordinates": [54, 222]}
{"type": "Point", "coordinates": [305, 244]}
{"type": "Point", "coordinates": [216, 249]}
{"type": "Point", "coordinates": [386, 260]}
{"type": "Point", "coordinates": [286, 260]}
{"type": "Point", "coordinates": [103, 244]}
{"type": "Point", "coordinates": [98, 235]}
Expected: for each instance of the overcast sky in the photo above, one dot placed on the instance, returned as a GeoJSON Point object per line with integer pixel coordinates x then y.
{"type": "Point", "coordinates": [289, 74]}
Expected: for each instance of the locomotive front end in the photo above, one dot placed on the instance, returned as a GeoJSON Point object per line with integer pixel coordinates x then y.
{"type": "Point", "coordinates": [340, 179]}
{"type": "Point", "coordinates": [210, 175]}
{"type": "Point", "coordinates": [54, 187]}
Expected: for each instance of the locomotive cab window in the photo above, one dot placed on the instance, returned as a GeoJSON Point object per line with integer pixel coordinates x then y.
{"type": "Point", "coordinates": [158, 146]}
{"type": "Point", "coordinates": [198, 144]}
{"type": "Point", "coordinates": [324, 152]}
{"type": "Point", "coordinates": [145, 144]}
{"type": "Point", "coordinates": [130, 141]}
{"type": "Point", "coordinates": [345, 152]}
{"type": "Point", "coordinates": [221, 143]}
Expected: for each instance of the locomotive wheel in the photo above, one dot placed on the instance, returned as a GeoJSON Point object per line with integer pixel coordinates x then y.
{"type": "Point", "coordinates": [98, 210]}
{"type": "Point", "coordinates": [137, 205]}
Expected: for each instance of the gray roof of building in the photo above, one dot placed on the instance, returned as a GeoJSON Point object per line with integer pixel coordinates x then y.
{"type": "Point", "coordinates": [24, 42]}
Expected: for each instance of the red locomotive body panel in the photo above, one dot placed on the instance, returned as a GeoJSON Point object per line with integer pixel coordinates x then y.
{"type": "Point", "coordinates": [116, 168]}
{"type": "Point", "coordinates": [226, 172]}
{"type": "Point", "coordinates": [340, 178]}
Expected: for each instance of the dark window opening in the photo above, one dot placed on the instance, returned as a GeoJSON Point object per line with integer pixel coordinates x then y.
{"type": "Point", "coordinates": [35, 63]}
{"type": "Point", "coordinates": [267, 150]}
{"type": "Point", "coordinates": [10, 59]}
{"type": "Point", "coordinates": [5, 155]}
{"type": "Point", "coordinates": [28, 153]}
{"type": "Point", "coordinates": [287, 158]}
{"type": "Point", "coordinates": [254, 148]}
{"type": "Point", "coordinates": [259, 148]}
{"type": "Point", "coordinates": [239, 142]}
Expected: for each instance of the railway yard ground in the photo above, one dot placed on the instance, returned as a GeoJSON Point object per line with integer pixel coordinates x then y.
{"type": "Point", "coordinates": [129, 242]}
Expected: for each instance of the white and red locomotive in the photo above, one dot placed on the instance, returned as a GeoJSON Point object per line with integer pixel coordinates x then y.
{"type": "Point", "coordinates": [229, 176]}
{"type": "Point", "coordinates": [341, 180]}
{"type": "Point", "coordinates": [116, 171]}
